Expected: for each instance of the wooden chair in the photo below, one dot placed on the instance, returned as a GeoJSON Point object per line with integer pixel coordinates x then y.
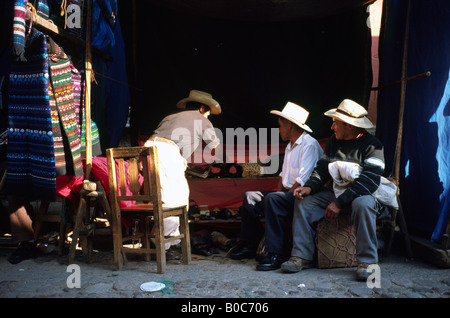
{"type": "Point", "coordinates": [146, 203]}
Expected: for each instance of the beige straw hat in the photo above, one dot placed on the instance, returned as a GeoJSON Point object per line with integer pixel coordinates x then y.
{"type": "Point", "coordinates": [294, 113]}
{"type": "Point", "coordinates": [352, 113]}
{"type": "Point", "coordinates": [203, 98]}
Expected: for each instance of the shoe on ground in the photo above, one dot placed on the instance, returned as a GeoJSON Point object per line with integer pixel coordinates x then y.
{"type": "Point", "coordinates": [295, 264]}
{"type": "Point", "coordinates": [361, 272]}
{"type": "Point", "coordinates": [271, 262]}
{"type": "Point", "coordinates": [242, 250]}
{"type": "Point", "coordinates": [24, 250]}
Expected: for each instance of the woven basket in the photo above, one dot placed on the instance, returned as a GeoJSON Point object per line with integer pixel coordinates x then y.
{"type": "Point", "coordinates": [251, 170]}
{"type": "Point", "coordinates": [335, 242]}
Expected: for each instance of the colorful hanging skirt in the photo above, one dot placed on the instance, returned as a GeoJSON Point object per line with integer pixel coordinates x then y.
{"type": "Point", "coordinates": [31, 169]}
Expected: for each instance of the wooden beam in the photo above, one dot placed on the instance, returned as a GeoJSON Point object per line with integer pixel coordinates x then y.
{"type": "Point", "coordinates": [87, 102]}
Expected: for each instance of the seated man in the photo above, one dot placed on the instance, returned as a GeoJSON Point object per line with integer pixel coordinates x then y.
{"type": "Point", "coordinates": [191, 127]}
{"type": "Point", "coordinates": [350, 143]}
{"type": "Point", "coordinates": [301, 156]}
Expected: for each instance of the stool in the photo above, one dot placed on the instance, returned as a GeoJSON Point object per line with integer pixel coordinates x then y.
{"type": "Point", "coordinates": [336, 242]}
{"type": "Point", "coordinates": [84, 219]}
{"type": "Point", "coordinates": [42, 216]}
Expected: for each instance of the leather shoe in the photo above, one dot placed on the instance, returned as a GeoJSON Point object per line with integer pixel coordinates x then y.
{"type": "Point", "coordinates": [24, 250]}
{"type": "Point", "coordinates": [271, 262]}
{"type": "Point", "coordinates": [245, 252]}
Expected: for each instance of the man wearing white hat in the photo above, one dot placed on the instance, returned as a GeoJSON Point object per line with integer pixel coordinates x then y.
{"type": "Point", "coordinates": [350, 143]}
{"type": "Point", "coordinates": [191, 127]}
{"type": "Point", "coordinates": [301, 156]}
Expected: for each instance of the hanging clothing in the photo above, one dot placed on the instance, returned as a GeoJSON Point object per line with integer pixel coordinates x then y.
{"type": "Point", "coordinates": [19, 30]}
{"type": "Point", "coordinates": [62, 89]}
{"type": "Point", "coordinates": [31, 169]}
{"type": "Point", "coordinates": [78, 99]}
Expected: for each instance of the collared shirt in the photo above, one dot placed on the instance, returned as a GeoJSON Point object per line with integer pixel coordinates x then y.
{"type": "Point", "coordinates": [300, 158]}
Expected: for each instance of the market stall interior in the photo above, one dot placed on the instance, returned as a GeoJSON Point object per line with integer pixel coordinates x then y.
{"type": "Point", "coordinates": [101, 74]}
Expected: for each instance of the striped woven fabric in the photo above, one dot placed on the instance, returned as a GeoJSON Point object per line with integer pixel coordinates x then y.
{"type": "Point", "coordinates": [78, 98]}
{"type": "Point", "coordinates": [42, 9]}
{"type": "Point", "coordinates": [19, 25]}
{"type": "Point", "coordinates": [31, 170]}
{"type": "Point", "coordinates": [62, 90]}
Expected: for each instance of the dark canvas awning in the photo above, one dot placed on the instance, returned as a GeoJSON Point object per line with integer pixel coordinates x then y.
{"type": "Point", "coordinates": [262, 10]}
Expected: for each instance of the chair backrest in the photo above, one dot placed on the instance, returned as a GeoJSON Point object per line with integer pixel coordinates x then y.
{"type": "Point", "coordinates": [125, 181]}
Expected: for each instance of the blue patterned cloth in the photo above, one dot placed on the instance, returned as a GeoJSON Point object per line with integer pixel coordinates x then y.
{"type": "Point", "coordinates": [31, 169]}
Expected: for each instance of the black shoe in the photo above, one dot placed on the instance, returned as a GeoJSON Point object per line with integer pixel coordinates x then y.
{"type": "Point", "coordinates": [24, 251]}
{"type": "Point", "coordinates": [242, 250]}
{"type": "Point", "coordinates": [246, 252]}
{"type": "Point", "coordinates": [270, 262]}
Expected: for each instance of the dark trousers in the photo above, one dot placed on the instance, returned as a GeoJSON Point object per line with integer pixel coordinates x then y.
{"type": "Point", "coordinates": [277, 208]}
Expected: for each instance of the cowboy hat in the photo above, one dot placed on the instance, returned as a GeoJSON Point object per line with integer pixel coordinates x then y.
{"type": "Point", "coordinates": [352, 113]}
{"type": "Point", "coordinates": [203, 98]}
{"type": "Point", "coordinates": [295, 114]}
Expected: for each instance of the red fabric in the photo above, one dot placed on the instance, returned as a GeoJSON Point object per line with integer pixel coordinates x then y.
{"type": "Point", "coordinates": [226, 193]}
{"type": "Point", "coordinates": [99, 171]}
{"type": "Point", "coordinates": [68, 186]}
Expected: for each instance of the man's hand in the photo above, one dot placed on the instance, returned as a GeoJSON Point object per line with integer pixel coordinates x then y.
{"type": "Point", "coordinates": [332, 211]}
{"type": "Point", "coordinates": [302, 192]}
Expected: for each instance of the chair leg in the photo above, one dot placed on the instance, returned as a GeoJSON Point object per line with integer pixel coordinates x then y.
{"type": "Point", "coordinates": [391, 232]}
{"type": "Point", "coordinates": [117, 243]}
{"type": "Point", "coordinates": [145, 229]}
{"type": "Point", "coordinates": [76, 229]}
{"type": "Point", "coordinates": [62, 237]}
{"type": "Point", "coordinates": [160, 247]}
{"type": "Point", "coordinates": [43, 208]}
{"type": "Point", "coordinates": [185, 241]}
{"type": "Point", "coordinates": [404, 230]}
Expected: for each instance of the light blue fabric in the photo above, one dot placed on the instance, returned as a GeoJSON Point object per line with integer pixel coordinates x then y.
{"type": "Point", "coordinates": [425, 153]}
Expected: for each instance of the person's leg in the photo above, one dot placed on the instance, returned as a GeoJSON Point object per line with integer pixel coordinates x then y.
{"type": "Point", "coordinates": [278, 210]}
{"type": "Point", "coordinates": [21, 229]}
{"type": "Point", "coordinates": [364, 218]}
{"type": "Point", "coordinates": [306, 212]}
{"type": "Point", "coordinates": [251, 228]}
{"type": "Point", "coordinates": [20, 221]}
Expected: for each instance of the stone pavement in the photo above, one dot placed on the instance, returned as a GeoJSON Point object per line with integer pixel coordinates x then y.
{"type": "Point", "coordinates": [216, 276]}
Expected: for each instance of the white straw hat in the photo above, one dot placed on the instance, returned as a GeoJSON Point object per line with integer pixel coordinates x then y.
{"type": "Point", "coordinates": [203, 98]}
{"type": "Point", "coordinates": [294, 113]}
{"type": "Point", "coordinates": [352, 113]}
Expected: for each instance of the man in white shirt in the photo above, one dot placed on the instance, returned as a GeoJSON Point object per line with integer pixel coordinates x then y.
{"type": "Point", "coordinates": [301, 155]}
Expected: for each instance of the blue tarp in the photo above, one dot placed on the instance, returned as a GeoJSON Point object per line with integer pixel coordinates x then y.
{"type": "Point", "coordinates": [111, 95]}
{"type": "Point", "coordinates": [425, 153]}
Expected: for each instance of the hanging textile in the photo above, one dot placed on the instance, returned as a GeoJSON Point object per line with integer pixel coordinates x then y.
{"type": "Point", "coordinates": [42, 9]}
{"type": "Point", "coordinates": [31, 169]}
{"type": "Point", "coordinates": [64, 126]}
{"type": "Point", "coordinates": [78, 98]}
{"type": "Point", "coordinates": [19, 24]}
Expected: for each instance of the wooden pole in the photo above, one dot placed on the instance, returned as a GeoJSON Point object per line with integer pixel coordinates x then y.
{"type": "Point", "coordinates": [87, 101]}
{"type": "Point", "coordinates": [400, 216]}
{"type": "Point", "coordinates": [404, 80]}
